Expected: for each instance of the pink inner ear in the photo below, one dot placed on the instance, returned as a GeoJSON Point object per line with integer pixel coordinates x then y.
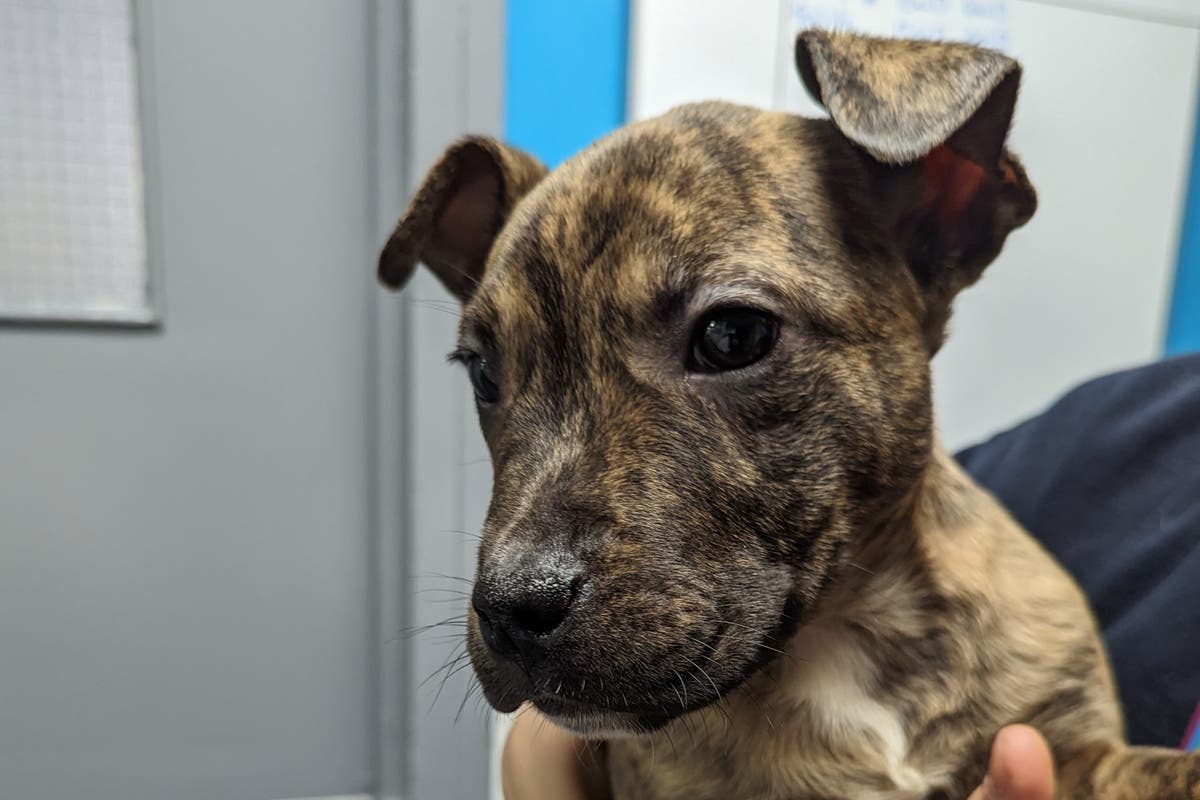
{"type": "Point", "coordinates": [467, 223]}
{"type": "Point", "coordinates": [951, 183]}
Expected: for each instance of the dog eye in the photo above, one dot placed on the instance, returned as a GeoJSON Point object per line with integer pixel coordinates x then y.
{"type": "Point", "coordinates": [483, 379]}
{"type": "Point", "coordinates": [732, 338]}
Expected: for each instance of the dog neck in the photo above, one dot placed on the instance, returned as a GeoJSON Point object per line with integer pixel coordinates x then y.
{"type": "Point", "coordinates": [840, 686]}
{"type": "Point", "coordinates": [943, 506]}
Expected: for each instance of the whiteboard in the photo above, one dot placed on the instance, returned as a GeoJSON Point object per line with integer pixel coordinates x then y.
{"type": "Point", "coordinates": [72, 230]}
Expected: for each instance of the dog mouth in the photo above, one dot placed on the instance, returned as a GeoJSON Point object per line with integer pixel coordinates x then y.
{"type": "Point", "coordinates": [597, 722]}
{"type": "Point", "coordinates": [601, 720]}
{"type": "Point", "coordinates": [600, 677]}
{"type": "Point", "coordinates": [600, 704]}
{"type": "Point", "coordinates": [630, 710]}
{"type": "Point", "coordinates": [655, 703]}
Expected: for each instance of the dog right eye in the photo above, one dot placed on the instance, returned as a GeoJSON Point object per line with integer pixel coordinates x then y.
{"type": "Point", "coordinates": [732, 338]}
{"type": "Point", "coordinates": [487, 390]}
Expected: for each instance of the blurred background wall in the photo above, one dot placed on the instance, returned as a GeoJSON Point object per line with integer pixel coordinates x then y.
{"type": "Point", "coordinates": [221, 522]}
{"type": "Point", "coordinates": [235, 533]}
{"type": "Point", "coordinates": [184, 539]}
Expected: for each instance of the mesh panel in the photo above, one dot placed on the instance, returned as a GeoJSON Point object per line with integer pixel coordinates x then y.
{"type": "Point", "coordinates": [72, 237]}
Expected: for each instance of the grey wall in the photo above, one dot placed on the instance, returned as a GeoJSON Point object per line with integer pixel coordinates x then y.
{"type": "Point", "coordinates": [184, 517]}
{"type": "Point", "coordinates": [455, 86]}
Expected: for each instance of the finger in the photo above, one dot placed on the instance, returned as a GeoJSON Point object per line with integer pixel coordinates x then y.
{"type": "Point", "coordinates": [544, 762]}
{"type": "Point", "coordinates": [1021, 767]}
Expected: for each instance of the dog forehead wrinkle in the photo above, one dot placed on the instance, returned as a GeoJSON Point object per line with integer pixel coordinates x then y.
{"type": "Point", "coordinates": [552, 237]}
{"type": "Point", "coordinates": [474, 330]}
{"type": "Point", "coordinates": [686, 148]}
{"type": "Point", "coordinates": [812, 266]}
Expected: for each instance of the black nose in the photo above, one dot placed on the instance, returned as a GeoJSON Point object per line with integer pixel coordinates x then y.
{"type": "Point", "coordinates": [518, 610]}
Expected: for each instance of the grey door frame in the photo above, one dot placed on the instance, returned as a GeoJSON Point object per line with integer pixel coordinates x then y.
{"type": "Point", "coordinates": [437, 73]}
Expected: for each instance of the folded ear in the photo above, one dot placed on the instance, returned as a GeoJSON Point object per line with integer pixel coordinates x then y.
{"type": "Point", "coordinates": [457, 212]}
{"type": "Point", "coordinates": [933, 117]}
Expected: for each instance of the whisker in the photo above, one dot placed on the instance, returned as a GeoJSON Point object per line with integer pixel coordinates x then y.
{"type": "Point", "coordinates": [671, 740]}
{"type": "Point", "coordinates": [440, 310]}
{"type": "Point", "coordinates": [445, 679]}
{"type": "Point", "coordinates": [466, 696]}
{"type": "Point", "coordinates": [450, 637]}
{"type": "Point", "coordinates": [475, 461]}
{"type": "Point", "coordinates": [703, 645]}
{"type": "Point", "coordinates": [678, 696]}
{"type": "Point", "coordinates": [468, 534]}
{"type": "Point", "coordinates": [429, 575]}
{"type": "Point", "coordinates": [482, 710]}
{"type": "Point", "coordinates": [417, 630]}
{"type": "Point", "coordinates": [716, 691]}
{"type": "Point", "coordinates": [683, 701]}
{"type": "Point", "coordinates": [738, 625]}
{"type": "Point", "coordinates": [448, 665]}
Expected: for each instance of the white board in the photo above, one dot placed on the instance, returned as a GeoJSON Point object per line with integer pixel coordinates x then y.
{"type": "Point", "coordinates": [72, 235]}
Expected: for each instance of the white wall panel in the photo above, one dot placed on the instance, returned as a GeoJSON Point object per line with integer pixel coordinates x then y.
{"type": "Point", "coordinates": [1104, 126]}
{"type": "Point", "coordinates": [687, 50]}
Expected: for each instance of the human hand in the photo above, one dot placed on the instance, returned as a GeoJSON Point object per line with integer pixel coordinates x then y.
{"type": "Point", "coordinates": [1020, 768]}
{"type": "Point", "coordinates": [543, 762]}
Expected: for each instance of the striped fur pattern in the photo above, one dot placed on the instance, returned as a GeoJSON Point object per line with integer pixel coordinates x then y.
{"type": "Point", "coordinates": [792, 591]}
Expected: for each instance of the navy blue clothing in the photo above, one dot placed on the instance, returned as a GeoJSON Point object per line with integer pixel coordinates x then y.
{"type": "Point", "coordinates": [1109, 480]}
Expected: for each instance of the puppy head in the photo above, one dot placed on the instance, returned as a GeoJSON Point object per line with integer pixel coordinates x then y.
{"type": "Point", "coordinates": [700, 356]}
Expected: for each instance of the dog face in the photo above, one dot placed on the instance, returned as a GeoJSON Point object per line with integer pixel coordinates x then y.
{"type": "Point", "coordinates": [700, 357]}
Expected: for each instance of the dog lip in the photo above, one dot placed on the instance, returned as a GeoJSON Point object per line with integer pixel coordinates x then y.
{"type": "Point", "coordinates": [557, 704]}
{"type": "Point", "coordinates": [596, 721]}
{"type": "Point", "coordinates": [589, 716]}
{"type": "Point", "coordinates": [643, 717]}
{"type": "Point", "coordinates": [554, 703]}
{"type": "Point", "coordinates": [646, 717]}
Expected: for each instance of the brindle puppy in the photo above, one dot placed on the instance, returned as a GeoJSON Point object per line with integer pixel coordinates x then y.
{"type": "Point", "coordinates": [723, 534]}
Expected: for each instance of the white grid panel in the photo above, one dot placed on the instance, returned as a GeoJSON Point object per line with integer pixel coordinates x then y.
{"type": "Point", "coordinates": [72, 231]}
{"type": "Point", "coordinates": [978, 21]}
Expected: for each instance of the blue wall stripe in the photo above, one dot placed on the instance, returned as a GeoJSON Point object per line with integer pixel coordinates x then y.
{"type": "Point", "coordinates": [566, 70]}
{"type": "Point", "coordinates": [1183, 327]}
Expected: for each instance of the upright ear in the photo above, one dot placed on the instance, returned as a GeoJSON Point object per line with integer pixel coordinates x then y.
{"type": "Point", "coordinates": [933, 117]}
{"type": "Point", "coordinates": [457, 212]}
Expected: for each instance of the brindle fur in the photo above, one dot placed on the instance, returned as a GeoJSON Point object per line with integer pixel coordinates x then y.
{"type": "Point", "coordinates": [793, 592]}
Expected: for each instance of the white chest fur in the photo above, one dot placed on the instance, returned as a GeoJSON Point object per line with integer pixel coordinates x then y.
{"type": "Point", "coordinates": [828, 682]}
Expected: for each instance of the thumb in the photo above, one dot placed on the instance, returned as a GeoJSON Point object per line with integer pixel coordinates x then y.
{"type": "Point", "coordinates": [1021, 767]}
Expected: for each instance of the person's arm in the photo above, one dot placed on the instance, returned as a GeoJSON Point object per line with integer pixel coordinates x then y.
{"type": "Point", "coordinates": [544, 762]}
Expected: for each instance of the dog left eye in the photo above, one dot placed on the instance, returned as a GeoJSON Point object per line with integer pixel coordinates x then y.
{"type": "Point", "coordinates": [732, 338]}
{"type": "Point", "coordinates": [483, 379]}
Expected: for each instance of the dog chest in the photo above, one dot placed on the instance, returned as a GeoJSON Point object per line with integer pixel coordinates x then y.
{"type": "Point", "coordinates": [829, 687]}
{"type": "Point", "coordinates": [810, 727]}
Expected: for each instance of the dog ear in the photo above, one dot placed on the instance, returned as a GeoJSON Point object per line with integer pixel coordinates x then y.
{"type": "Point", "coordinates": [457, 212]}
{"type": "Point", "coordinates": [933, 117]}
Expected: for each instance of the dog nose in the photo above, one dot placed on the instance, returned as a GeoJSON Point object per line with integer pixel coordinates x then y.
{"type": "Point", "coordinates": [519, 610]}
